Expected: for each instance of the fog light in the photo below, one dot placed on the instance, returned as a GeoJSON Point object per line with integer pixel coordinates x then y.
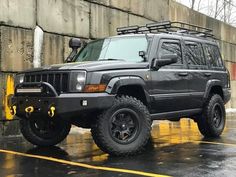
{"type": "Point", "coordinates": [84, 103]}
{"type": "Point", "coordinates": [79, 87]}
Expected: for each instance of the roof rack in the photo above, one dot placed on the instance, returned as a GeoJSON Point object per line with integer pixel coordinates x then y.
{"type": "Point", "coordinates": [167, 27]}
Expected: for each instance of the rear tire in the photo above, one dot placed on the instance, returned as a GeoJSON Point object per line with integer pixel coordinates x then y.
{"type": "Point", "coordinates": [124, 129]}
{"type": "Point", "coordinates": [44, 131]}
{"type": "Point", "coordinates": [212, 121]}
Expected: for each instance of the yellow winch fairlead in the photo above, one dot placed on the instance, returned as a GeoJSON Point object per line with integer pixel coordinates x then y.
{"type": "Point", "coordinates": [51, 111]}
{"type": "Point", "coordinates": [29, 109]}
{"type": "Point", "coordinates": [13, 110]}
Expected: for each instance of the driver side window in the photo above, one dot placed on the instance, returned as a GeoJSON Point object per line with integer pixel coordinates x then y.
{"type": "Point", "coordinates": [170, 47]}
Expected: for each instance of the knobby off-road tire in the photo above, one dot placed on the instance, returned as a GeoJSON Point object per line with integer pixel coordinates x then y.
{"type": "Point", "coordinates": [44, 132]}
{"type": "Point", "coordinates": [124, 129]}
{"type": "Point", "coordinates": [212, 121]}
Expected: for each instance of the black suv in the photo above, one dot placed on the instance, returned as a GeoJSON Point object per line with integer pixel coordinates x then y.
{"type": "Point", "coordinates": [118, 85]}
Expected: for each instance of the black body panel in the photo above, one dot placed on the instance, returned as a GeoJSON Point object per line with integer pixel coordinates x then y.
{"type": "Point", "coordinates": [173, 90]}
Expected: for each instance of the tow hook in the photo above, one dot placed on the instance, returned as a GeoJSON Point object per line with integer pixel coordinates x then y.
{"type": "Point", "coordinates": [29, 110]}
{"type": "Point", "coordinates": [13, 110]}
{"type": "Point", "coordinates": [51, 111]}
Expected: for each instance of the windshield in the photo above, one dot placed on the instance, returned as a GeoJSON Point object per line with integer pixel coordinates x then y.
{"type": "Point", "coordinates": [118, 48]}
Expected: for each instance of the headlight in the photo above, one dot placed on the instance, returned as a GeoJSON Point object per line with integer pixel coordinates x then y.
{"type": "Point", "coordinates": [77, 81]}
{"type": "Point", "coordinates": [81, 77]}
{"type": "Point", "coordinates": [19, 79]}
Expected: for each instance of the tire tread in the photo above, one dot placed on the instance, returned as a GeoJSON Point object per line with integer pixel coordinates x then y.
{"type": "Point", "coordinates": [102, 142]}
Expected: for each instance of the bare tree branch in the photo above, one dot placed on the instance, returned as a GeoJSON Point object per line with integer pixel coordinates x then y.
{"type": "Point", "coordinates": [224, 10]}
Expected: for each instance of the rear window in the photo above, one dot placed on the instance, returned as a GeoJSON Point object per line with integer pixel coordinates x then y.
{"type": "Point", "coordinates": [194, 53]}
{"type": "Point", "coordinates": [213, 56]}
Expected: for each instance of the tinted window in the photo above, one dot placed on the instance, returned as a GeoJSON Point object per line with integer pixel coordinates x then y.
{"type": "Point", "coordinates": [124, 48]}
{"type": "Point", "coordinates": [169, 47]}
{"type": "Point", "coordinates": [213, 55]}
{"type": "Point", "coordinates": [194, 54]}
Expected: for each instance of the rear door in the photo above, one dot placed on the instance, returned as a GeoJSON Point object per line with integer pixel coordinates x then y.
{"type": "Point", "coordinates": [198, 72]}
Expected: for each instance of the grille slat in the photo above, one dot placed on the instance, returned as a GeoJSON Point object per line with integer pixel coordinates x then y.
{"type": "Point", "coordinates": [65, 79]}
{"type": "Point", "coordinates": [58, 80]}
{"type": "Point", "coordinates": [61, 81]}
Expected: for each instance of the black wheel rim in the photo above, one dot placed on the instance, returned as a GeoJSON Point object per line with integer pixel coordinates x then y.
{"type": "Point", "coordinates": [217, 116]}
{"type": "Point", "coordinates": [45, 128]}
{"type": "Point", "coordinates": [124, 126]}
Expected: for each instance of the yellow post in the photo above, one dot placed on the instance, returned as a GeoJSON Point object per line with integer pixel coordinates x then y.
{"type": "Point", "coordinates": [9, 91]}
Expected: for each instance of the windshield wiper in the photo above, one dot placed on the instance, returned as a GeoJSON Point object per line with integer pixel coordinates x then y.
{"type": "Point", "coordinates": [111, 59]}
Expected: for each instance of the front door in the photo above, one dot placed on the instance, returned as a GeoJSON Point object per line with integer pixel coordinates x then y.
{"type": "Point", "coordinates": [169, 83]}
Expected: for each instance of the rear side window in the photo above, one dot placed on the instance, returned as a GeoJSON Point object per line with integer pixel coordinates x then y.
{"type": "Point", "coordinates": [194, 54]}
{"type": "Point", "coordinates": [171, 47]}
{"type": "Point", "coordinates": [213, 56]}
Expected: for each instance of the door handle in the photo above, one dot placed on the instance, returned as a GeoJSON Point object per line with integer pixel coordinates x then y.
{"type": "Point", "coordinates": [207, 74]}
{"type": "Point", "coordinates": [183, 74]}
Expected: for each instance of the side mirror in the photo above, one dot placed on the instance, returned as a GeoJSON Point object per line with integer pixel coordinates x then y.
{"type": "Point", "coordinates": [164, 60]}
{"type": "Point", "coordinates": [74, 43]}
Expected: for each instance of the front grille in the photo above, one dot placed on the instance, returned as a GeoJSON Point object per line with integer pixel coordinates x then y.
{"type": "Point", "coordinates": [57, 79]}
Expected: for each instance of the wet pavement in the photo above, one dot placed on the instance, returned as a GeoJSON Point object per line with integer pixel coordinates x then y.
{"type": "Point", "coordinates": [177, 149]}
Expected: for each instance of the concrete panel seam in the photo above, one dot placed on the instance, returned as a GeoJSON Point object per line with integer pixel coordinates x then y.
{"type": "Point", "coordinates": [16, 26]}
{"type": "Point", "coordinates": [115, 8]}
{"type": "Point", "coordinates": [229, 61]}
{"type": "Point", "coordinates": [36, 13]}
{"type": "Point", "coordinates": [226, 42]}
{"type": "Point", "coordinates": [90, 21]}
{"type": "Point", "coordinates": [8, 72]}
{"type": "Point", "coordinates": [0, 47]}
{"type": "Point", "coordinates": [62, 34]}
{"type": "Point", "coordinates": [90, 27]}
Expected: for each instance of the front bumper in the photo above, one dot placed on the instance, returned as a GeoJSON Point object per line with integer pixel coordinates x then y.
{"type": "Point", "coordinates": [67, 105]}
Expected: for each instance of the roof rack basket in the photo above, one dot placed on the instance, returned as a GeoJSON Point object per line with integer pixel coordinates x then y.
{"type": "Point", "coordinates": [167, 27]}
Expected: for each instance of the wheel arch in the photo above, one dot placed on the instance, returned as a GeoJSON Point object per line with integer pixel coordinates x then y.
{"type": "Point", "coordinates": [214, 86]}
{"type": "Point", "coordinates": [131, 86]}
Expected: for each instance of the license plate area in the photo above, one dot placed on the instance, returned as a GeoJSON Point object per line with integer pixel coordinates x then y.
{"type": "Point", "coordinates": [40, 105]}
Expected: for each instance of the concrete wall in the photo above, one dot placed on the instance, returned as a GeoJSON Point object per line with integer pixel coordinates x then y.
{"type": "Point", "coordinates": [88, 19]}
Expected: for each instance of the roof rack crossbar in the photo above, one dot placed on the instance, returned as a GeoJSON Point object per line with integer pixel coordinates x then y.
{"type": "Point", "coordinates": [167, 27]}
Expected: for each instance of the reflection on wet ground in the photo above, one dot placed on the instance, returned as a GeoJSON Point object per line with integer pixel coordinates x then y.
{"type": "Point", "coordinates": [176, 149]}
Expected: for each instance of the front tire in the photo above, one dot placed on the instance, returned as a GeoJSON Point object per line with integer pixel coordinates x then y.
{"type": "Point", "coordinates": [212, 122]}
{"type": "Point", "coordinates": [124, 129]}
{"type": "Point", "coordinates": [44, 131]}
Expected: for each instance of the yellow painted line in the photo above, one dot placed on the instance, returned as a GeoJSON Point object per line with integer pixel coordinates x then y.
{"type": "Point", "coordinates": [209, 142]}
{"type": "Point", "coordinates": [52, 159]}
{"type": "Point", "coordinates": [181, 141]}
{"type": "Point", "coordinates": [216, 143]}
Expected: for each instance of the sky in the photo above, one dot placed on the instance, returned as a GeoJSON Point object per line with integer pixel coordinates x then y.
{"type": "Point", "coordinates": [208, 7]}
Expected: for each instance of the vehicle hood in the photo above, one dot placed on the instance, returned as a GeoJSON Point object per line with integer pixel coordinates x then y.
{"type": "Point", "coordinates": [94, 66]}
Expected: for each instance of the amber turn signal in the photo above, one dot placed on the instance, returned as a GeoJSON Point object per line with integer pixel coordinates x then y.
{"type": "Point", "coordinates": [95, 88]}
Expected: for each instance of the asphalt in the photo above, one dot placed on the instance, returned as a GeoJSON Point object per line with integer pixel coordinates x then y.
{"type": "Point", "coordinates": [176, 149]}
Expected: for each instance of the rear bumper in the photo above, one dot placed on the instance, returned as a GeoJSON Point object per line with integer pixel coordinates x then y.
{"type": "Point", "coordinates": [66, 105]}
{"type": "Point", "coordinates": [227, 94]}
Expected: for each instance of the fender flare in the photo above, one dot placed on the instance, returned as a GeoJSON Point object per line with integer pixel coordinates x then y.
{"type": "Point", "coordinates": [209, 85]}
{"type": "Point", "coordinates": [117, 82]}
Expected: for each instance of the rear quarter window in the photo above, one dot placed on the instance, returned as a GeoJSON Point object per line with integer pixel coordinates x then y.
{"type": "Point", "coordinates": [212, 54]}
